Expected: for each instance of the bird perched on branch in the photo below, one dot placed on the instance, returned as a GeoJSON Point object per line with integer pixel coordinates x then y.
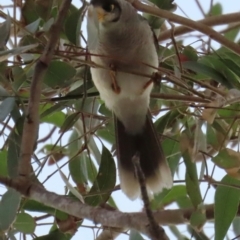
{"type": "Point", "coordinates": [121, 44]}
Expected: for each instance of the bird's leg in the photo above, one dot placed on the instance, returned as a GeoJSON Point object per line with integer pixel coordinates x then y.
{"type": "Point", "coordinates": [153, 79]}
{"type": "Point", "coordinates": [147, 84]}
{"type": "Point", "coordinates": [113, 74]}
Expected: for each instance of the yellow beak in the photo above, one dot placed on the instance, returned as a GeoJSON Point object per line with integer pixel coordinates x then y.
{"type": "Point", "coordinates": [100, 14]}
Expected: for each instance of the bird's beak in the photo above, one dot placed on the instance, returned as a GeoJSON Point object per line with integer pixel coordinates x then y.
{"type": "Point", "coordinates": [100, 14]}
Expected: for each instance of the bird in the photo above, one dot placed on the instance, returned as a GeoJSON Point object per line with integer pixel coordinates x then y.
{"type": "Point", "coordinates": [122, 48]}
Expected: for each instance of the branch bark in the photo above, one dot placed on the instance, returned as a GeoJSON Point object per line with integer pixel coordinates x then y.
{"type": "Point", "coordinates": [116, 219]}
{"type": "Point", "coordinates": [198, 26]}
{"type": "Point", "coordinates": [113, 219]}
{"type": "Point", "coordinates": [31, 124]}
{"type": "Point", "coordinates": [209, 21]}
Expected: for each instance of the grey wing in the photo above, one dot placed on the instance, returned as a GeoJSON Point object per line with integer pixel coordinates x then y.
{"type": "Point", "coordinates": [92, 29]}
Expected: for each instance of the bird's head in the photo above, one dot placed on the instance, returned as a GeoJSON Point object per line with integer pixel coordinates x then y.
{"type": "Point", "coordinates": [107, 10]}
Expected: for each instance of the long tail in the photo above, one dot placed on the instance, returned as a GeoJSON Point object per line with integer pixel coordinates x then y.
{"type": "Point", "coordinates": [152, 160]}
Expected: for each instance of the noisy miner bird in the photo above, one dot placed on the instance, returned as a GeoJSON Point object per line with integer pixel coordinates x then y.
{"type": "Point", "coordinates": [121, 44]}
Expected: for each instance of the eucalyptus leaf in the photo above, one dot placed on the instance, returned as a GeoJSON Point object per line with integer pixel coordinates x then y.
{"type": "Point", "coordinates": [226, 206]}
{"type": "Point", "coordinates": [134, 235]}
{"type": "Point", "coordinates": [6, 107]}
{"type": "Point", "coordinates": [33, 27]}
{"type": "Point", "coordinates": [208, 71]}
{"type": "Point", "coordinates": [9, 205]}
{"type": "Point", "coordinates": [25, 223]}
{"type": "Point", "coordinates": [104, 182]}
{"type": "Point", "coordinates": [58, 74]}
{"type": "Point", "coordinates": [72, 26]}
{"type": "Point", "coordinates": [5, 28]}
{"type": "Point", "coordinates": [15, 51]}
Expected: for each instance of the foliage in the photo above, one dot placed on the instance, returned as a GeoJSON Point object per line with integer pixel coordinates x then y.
{"type": "Point", "coordinates": [195, 104]}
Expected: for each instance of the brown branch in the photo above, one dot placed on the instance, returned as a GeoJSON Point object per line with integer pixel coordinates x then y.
{"type": "Point", "coordinates": [155, 231]}
{"type": "Point", "coordinates": [31, 124]}
{"type": "Point", "coordinates": [209, 21]}
{"type": "Point", "coordinates": [116, 219]}
{"type": "Point", "coordinates": [198, 26]}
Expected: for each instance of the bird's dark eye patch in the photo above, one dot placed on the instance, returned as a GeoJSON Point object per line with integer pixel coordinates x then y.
{"type": "Point", "coordinates": [108, 7]}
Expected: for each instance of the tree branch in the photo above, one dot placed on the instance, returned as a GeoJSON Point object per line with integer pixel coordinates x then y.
{"type": "Point", "coordinates": [209, 21]}
{"type": "Point", "coordinates": [135, 220]}
{"type": "Point", "coordinates": [155, 231]}
{"type": "Point", "coordinates": [198, 26]}
{"type": "Point", "coordinates": [31, 124]}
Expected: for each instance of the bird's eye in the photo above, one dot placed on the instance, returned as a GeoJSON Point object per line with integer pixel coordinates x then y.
{"type": "Point", "coordinates": [112, 6]}
{"type": "Point", "coordinates": [109, 7]}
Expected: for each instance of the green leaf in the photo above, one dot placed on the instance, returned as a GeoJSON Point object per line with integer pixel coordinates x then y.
{"type": "Point", "coordinates": [8, 208]}
{"type": "Point", "coordinates": [104, 182]}
{"type": "Point", "coordinates": [190, 53]}
{"type": "Point", "coordinates": [33, 27]}
{"type": "Point", "coordinates": [208, 71]}
{"type": "Point", "coordinates": [6, 107]}
{"type": "Point", "coordinates": [192, 183]}
{"type": "Point", "coordinates": [15, 51]}
{"type": "Point", "coordinates": [25, 223]}
{"type": "Point", "coordinates": [34, 206]}
{"type": "Point", "coordinates": [184, 202]}
{"type": "Point", "coordinates": [104, 111]}
{"type": "Point", "coordinates": [5, 28]}
{"type": "Point", "coordinates": [92, 171]}
{"type": "Point", "coordinates": [107, 133]}
{"type": "Point", "coordinates": [172, 152]}
{"type": "Point", "coordinates": [47, 25]}
{"type": "Point", "coordinates": [134, 235]}
{"type": "Point", "coordinates": [58, 74]}
{"type": "Point", "coordinates": [227, 159]}
{"type": "Point", "coordinates": [156, 22]}
{"type": "Point", "coordinates": [226, 206]}
{"type": "Point", "coordinates": [215, 10]}
{"type": "Point", "coordinates": [69, 122]}
{"type": "Point", "coordinates": [73, 26]}
{"type": "Point", "coordinates": [198, 218]}
{"type": "Point", "coordinates": [211, 137]}
{"type": "Point", "coordinates": [13, 154]}
{"type": "Point", "coordinates": [44, 8]}
{"type": "Point", "coordinates": [29, 12]}
{"type": "Point", "coordinates": [177, 233]}
{"type": "Point", "coordinates": [81, 166]}
{"type": "Point", "coordinates": [52, 109]}
{"type": "Point", "coordinates": [231, 65]}
{"type": "Point", "coordinates": [232, 34]}
{"type": "Point", "coordinates": [78, 169]}
{"type": "Point", "coordinates": [166, 120]}
{"type": "Point", "coordinates": [56, 117]}
{"type": "Point", "coordinates": [19, 77]}
{"type": "Point", "coordinates": [171, 196]}
{"type": "Point", "coordinates": [3, 164]}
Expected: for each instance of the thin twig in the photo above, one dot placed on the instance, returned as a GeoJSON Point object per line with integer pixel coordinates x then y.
{"type": "Point", "coordinates": [155, 231]}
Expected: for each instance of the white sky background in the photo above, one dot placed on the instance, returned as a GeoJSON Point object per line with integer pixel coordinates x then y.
{"type": "Point", "coordinates": [56, 184]}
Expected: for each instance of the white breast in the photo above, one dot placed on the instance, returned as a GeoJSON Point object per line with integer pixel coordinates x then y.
{"type": "Point", "coordinates": [131, 104]}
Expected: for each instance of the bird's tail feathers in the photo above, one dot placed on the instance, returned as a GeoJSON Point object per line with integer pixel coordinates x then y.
{"type": "Point", "coordinates": [152, 160]}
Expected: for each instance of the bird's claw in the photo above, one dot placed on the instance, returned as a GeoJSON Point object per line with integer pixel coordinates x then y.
{"type": "Point", "coordinates": [112, 73]}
